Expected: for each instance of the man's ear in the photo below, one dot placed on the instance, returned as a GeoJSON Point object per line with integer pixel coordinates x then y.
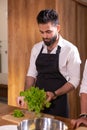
{"type": "Point", "coordinates": [58, 28]}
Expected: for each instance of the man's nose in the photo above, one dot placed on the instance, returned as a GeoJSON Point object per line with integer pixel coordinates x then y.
{"type": "Point", "coordinates": [44, 35]}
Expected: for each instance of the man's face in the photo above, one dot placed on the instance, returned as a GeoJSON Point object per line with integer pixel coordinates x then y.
{"type": "Point", "coordinates": [49, 33]}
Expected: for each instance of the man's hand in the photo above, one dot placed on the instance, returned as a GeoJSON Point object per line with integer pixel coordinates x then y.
{"type": "Point", "coordinates": [79, 122]}
{"type": "Point", "coordinates": [50, 96]}
{"type": "Point", "coordinates": [20, 101]}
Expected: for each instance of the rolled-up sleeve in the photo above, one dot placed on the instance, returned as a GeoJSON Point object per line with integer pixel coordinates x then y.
{"type": "Point", "coordinates": [74, 67]}
{"type": "Point", "coordinates": [32, 67]}
{"type": "Point", "coordinates": [32, 71]}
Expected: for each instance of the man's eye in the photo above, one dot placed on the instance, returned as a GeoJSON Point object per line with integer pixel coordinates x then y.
{"type": "Point", "coordinates": [49, 32]}
{"type": "Point", "coordinates": [41, 32]}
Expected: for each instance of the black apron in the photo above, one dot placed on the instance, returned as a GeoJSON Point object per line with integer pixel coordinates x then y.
{"type": "Point", "coordinates": [50, 79]}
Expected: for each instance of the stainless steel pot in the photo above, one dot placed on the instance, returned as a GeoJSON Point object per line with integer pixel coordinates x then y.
{"type": "Point", "coordinates": [42, 124]}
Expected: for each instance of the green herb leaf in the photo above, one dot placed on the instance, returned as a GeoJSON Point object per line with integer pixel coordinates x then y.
{"type": "Point", "coordinates": [36, 99]}
{"type": "Point", "coordinates": [18, 113]}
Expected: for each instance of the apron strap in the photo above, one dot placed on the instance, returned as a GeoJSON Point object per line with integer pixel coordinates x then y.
{"type": "Point", "coordinates": [57, 52]}
{"type": "Point", "coordinates": [41, 49]}
{"type": "Point", "coordinates": [58, 49]}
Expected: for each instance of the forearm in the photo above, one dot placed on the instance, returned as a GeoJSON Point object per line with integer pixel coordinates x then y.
{"type": "Point", "coordinates": [29, 81]}
{"type": "Point", "coordinates": [83, 103]}
{"type": "Point", "coordinates": [64, 89]}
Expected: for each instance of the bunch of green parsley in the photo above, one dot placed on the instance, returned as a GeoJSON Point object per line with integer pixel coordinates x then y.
{"type": "Point", "coordinates": [35, 99]}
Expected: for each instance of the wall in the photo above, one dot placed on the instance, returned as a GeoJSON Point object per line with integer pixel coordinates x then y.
{"type": "Point", "coordinates": [3, 37]}
{"type": "Point", "coordinates": [23, 33]}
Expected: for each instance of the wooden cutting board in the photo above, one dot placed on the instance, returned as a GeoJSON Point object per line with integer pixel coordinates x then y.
{"type": "Point", "coordinates": [27, 115]}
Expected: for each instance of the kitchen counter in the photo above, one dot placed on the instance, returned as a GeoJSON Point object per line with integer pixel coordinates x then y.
{"type": "Point", "coordinates": [6, 109]}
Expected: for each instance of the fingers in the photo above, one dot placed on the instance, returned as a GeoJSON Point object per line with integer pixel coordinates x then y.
{"type": "Point", "coordinates": [73, 122]}
{"type": "Point", "coordinates": [20, 101]}
{"type": "Point", "coordinates": [82, 122]}
{"type": "Point", "coordinates": [79, 122]}
{"type": "Point", "coordinates": [50, 96]}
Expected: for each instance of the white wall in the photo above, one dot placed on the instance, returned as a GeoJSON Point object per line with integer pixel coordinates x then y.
{"type": "Point", "coordinates": [3, 36]}
{"type": "Point", "coordinates": [3, 40]}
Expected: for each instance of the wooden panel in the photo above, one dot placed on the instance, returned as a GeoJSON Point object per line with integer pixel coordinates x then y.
{"type": "Point", "coordinates": [23, 33]}
{"type": "Point", "coordinates": [67, 15]}
{"type": "Point", "coordinates": [82, 33]}
{"type": "Point", "coordinates": [83, 2]}
{"type": "Point", "coordinates": [82, 30]}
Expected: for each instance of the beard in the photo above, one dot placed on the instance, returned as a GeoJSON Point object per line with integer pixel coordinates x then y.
{"type": "Point", "coordinates": [50, 41]}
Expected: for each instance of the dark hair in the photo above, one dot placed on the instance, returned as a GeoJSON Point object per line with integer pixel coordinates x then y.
{"type": "Point", "coordinates": [48, 15]}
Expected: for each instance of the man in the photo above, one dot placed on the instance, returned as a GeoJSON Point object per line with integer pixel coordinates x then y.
{"type": "Point", "coordinates": [54, 64]}
{"type": "Point", "coordinates": [82, 120]}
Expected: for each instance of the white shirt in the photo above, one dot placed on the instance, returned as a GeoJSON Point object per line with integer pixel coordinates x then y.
{"type": "Point", "coordinates": [83, 87]}
{"type": "Point", "coordinates": [69, 60]}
